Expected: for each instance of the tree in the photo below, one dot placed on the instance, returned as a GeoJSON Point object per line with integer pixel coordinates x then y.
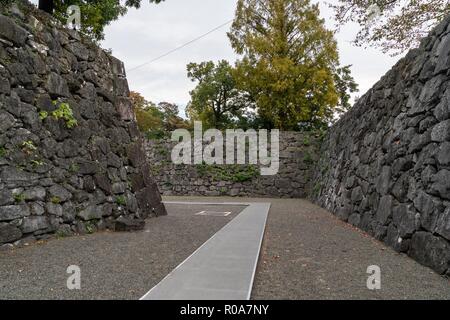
{"type": "Point", "coordinates": [171, 119]}
{"type": "Point", "coordinates": [215, 100]}
{"type": "Point", "coordinates": [148, 116]}
{"type": "Point", "coordinates": [156, 118]}
{"type": "Point", "coordinates": [95, 14]}
{"type": "Point", "coordinates": [392, 25]}
{"type": "Point", "coordinates": [290, 63]}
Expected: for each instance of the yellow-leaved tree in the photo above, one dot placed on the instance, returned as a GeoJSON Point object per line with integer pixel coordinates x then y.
{"type": "Point", "coordinates": [289, 63]}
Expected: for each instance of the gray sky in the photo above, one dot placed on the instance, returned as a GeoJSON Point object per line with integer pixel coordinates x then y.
{"type": "Point", "coordinates": [153, 30]}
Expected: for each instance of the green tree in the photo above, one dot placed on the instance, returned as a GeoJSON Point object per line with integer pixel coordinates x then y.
{"type": "Point", "coordinates": [160, 118]}
{"type": "Point", "coordinates": [170, 116]}
{"type": "Point", "coordinates": [215, 100]}
{"type": "Point", "coordinates": [392, 25]}
{"type": "Point", "coordinates": [95, 14]}
{"type": "Point", "coordinates": [290, 63]}
{"type": "Point", "coordinates": [148, 116]}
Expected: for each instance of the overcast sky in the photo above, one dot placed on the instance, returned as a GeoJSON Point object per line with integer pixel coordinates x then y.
{"type": "Point", "coordinates": [153, 30]}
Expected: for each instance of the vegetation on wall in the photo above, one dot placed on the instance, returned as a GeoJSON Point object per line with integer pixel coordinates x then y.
{"type": "Point", "coordinates": [233, 173]}
{"type": "Point", "coordinates": [63, 111]}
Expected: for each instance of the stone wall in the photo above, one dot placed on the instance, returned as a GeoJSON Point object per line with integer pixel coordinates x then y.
{"type": "Point", "coordinates": [385, 166]}
{"type": "Point", "coordinates": [297, 155]}
{"type": "Point", "coordinates": [57, 175]}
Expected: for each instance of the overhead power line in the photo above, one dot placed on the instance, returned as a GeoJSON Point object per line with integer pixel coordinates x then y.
{"type": "Point", "coordinates": [182, 46]}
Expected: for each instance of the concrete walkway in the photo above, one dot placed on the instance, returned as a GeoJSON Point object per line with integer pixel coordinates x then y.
{"type": "Point", "coordinates": [223, 268]}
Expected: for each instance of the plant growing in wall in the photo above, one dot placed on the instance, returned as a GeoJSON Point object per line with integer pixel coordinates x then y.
{"type": "Point", "coordinates": [28, 147]}
{"type": "Point", "coordinates": [234, 173]}
{"type": "Point", "coordinates": [65, 112]}
{"type": "Point", "coordinates": [3, 152]}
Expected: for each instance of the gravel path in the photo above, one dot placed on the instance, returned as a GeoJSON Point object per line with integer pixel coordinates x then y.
{"type": "Point", "coordinates": [310, 254]}
{"type": "Point", "coordinates": [307, 254]}
{"type": "Point", "coordinates": [113, 265]}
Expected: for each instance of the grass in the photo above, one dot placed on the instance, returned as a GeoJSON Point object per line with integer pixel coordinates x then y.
{"type": "Point", "coordinates": [55, 200]}
{"type": "Point", "coordinates": [121, 200]}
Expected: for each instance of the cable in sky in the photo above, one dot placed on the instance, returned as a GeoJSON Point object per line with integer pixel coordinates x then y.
{"type": "Point", "coordinates": [180, 47]}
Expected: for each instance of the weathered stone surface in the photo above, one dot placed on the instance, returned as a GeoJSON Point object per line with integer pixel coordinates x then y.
{"type": "Point", "coordinates": [54, 209]}
{"type": "Point", "coordinates": [401, 129]}
{"type": "Point", "coordinates": [441, 131]}
{"type": "Point", "coordinates": [125, 109]}
{"type": "Point", "coordinates": [126, 224]}
{"type": "Point", "coordinates": [443, 224]}
{"type": "Point", "coordinates": [443, 155]}
{"type": "Point", "coordinates": [427, 207]}
{"type": "Point", "coordinates": [57, 86]}
{"type": "Point", "coordinates": [37, 209]}
{"type": "Point", "coordinates": [91, 212]}
{"type": "Point", "coordinates": [6, 121]}
{"type": "Point", "coordinates": [12, 174]}
{"type": "Point", "coordinates": [430, 251]}
{"type": "Point", "coordinates": [34, 194]}
{"type": "Point", "coordinates": [291, 181]}
{"type": "Point", "coordinates": [9, 233]}
{"type": "Point", "coordinates": [441, 184]}
{"type": "Point", "coordinates": [60, 193]}
{"type": "Point", "coordinates": [11, 31]}
{"type": "Point", "coordinates": [54, 176]}
{"type": "Point", "coordinates": [405, 220]}
{"type": "Point", "coordinates": [8, 213]}
{"type": "Point", "coordinates": [32, 224]}
{"type": "Point", "coordinates": [119, 187]}
{"type": "Point", "coordinates": [6, 197]}
{"type": "Point", "coordinates": [384, 211]}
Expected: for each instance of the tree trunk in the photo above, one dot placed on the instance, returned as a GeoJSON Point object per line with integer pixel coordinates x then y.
{"type": "Point", "coordinates": [46, 5]}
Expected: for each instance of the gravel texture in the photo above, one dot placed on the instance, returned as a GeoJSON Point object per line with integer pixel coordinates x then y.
{"type": "Point", "coordinates": [307, 254]}
{"type": "Point", "coordinates": [310, 254]}
{"type": "Point", "coordinates": [113, 265]}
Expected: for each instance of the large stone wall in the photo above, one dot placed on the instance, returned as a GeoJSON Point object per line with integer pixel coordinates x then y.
{"type": "Point", "coordinates": [385, 166]}
{"type": "Point", "coordinates": [298, 152]}
{"type": "Point", "coordinates": [55, 178]}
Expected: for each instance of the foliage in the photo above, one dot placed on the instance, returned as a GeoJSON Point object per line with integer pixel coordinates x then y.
{"type": "Point", "coordinates": [90, 227]}
{"type": "Point", "coordinates": [43, 115]}
{"type": "Point", "coordinates": [290, 63]}
{"type": "Point", "coordinates": [74, 168]}
{"type": "Point", "coordinates": [215, 100]}
{"type": "Point", "coordinates": [37, 163]}
{"type": "Point", "coordinates": [19, 197]}
{"type": "Point", "coordinates": [156, 120]}
{"type": "Point", "coordinates": [234, 173]}
{"type": "Point", "coordinates": [3, 151]}
{"type": "Point", "coordinates": [392, 25]}
{"type": "Point", "coordinates": [64, 111]}
{"type": "Point", "coordinates": [121, 200]}
{"type": "Point", "coordinates": [28, 147]}
{"type": "Point", "coordinates": [95, 14]}
{"type": "Point", "coordinates": [55, 200]}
